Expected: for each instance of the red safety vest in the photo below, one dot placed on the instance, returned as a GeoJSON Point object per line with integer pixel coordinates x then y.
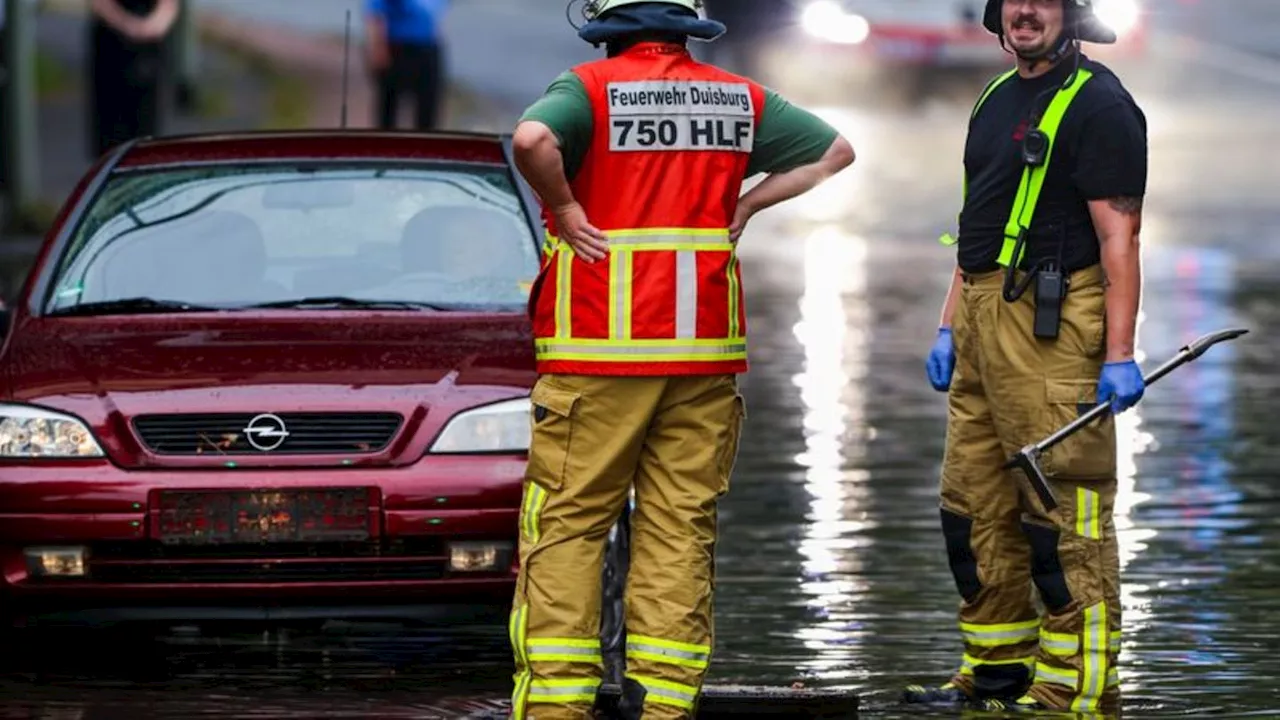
{"type": "Point", "coordinates": [668, 155]}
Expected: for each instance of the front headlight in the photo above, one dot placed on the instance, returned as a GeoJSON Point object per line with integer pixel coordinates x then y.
{"type": "Point", "coordinates": [31, 432]}
{"type": "Point", "coordinates": [1119, 15]}
{"type": "Point", "coordinates": [828, 20]}
{"type": "Point", "coordinates": [501, 427]}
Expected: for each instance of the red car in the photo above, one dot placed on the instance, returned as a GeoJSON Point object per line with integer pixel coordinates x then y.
{"type": "Point", "coordinates": [272, 375]}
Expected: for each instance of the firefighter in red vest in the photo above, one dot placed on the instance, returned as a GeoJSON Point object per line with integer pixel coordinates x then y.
{"type": "Point", "coordinates": [640, 329]}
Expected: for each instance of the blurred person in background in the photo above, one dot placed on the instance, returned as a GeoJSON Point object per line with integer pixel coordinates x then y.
{"type": "Point", "coordinates": [406, 56]}
{"type": "Point", "coordinates": [126, 68]}
{"type": "Point", "coordinates": [639, 326]}
{"type": "Point", "coordinates": [1037, 327]}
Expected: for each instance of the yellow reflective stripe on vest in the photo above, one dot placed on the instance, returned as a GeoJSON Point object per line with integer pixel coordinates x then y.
{"type": "Point", "coordinates": [620, 346]}
{"type": "Point", "coordinates": [1024, 204]}
{"type": "Point", "coordinates": [642, 350]}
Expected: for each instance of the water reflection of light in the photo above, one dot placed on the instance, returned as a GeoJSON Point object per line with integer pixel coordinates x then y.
{"type": "Point", "coordinates": [835, 199]}
{"type": "Point", "coordinates": [1131, 441]}
{"type": "Point", "coordinates": [834, 342]}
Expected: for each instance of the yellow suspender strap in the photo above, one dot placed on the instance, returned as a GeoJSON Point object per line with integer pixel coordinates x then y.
{"type": "Point", "coordinates": [1024, 204]}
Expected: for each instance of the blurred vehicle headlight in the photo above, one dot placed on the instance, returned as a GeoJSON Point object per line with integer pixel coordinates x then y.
{"type": "Point", "coordinates": [31, 432]}
{"type": "Point", "coordinates": [1119, 15]}
{"type": "Point", "coordinates": [827, 20]}
{"type": "Point", "coordinates": [501, 427]}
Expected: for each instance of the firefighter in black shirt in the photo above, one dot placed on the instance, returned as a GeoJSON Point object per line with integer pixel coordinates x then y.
{"type": "Point", "coordinates": [1037, 327]}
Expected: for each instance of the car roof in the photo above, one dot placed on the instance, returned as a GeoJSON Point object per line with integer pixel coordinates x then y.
{"type": "Point", "coordinates": [322, 144]}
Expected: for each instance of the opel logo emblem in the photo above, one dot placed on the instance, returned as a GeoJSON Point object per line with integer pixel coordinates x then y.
{"type": "Point", "coordinates": [266, 432]}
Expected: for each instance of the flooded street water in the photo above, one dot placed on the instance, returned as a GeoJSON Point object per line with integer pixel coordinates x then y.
{"type": "Point", "coordinates": [831, 565]}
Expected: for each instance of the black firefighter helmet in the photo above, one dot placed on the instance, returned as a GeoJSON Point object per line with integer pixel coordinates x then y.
{"type": "Point", "coordinates": [1080, 22]}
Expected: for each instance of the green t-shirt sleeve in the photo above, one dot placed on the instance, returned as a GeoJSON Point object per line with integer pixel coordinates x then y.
{"type": "Point", "coordinates": [566, 109]}
{"type": "Point", "coordinates": [788, 136]}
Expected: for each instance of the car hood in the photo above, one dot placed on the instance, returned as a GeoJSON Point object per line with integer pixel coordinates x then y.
{"type": "Point", "coordinates": [107, 370]}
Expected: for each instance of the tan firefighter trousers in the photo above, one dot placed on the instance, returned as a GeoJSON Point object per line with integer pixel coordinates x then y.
{"type": "Point", "coordinates": [1010, 389]}
{"type": "Point", "coordinates": [676, 440]}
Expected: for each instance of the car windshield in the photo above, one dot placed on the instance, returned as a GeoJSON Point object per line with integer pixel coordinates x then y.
{"type": "Point", "coordinates": [235, 236]}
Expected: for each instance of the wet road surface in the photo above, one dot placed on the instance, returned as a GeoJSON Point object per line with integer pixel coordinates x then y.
{"type": "Point", "coordinates": [831, 563]}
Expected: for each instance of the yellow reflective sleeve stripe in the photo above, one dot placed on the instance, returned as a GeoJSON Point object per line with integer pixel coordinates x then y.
{"type": "Point", "coordinates": [570, 650]}
{"type": "Point", "coordinates": [1000, 634]}
{"type": "Point", "coordinates": [1088, 523]}
{"type": "Point", "coordinates": [667, 651]}
{"type": "Point", "coordinates": [1113, 677]}
{"type": "Point", "coordinates": [1094, 671]}
{"type": "Point", "coordinates": [564, 690]}
{"type": "Point", "coordinates": [1115, 641]}
{"type": "Point", "coordinates": [1024, 203]}
{"type": "Point", "coordinates": [1062, 644]}
{"type": "Point", "coordinates": [667, 692]}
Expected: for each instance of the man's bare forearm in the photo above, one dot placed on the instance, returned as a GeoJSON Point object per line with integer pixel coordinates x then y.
{"type": "Point", "coordinates": [538, 157]}
{"type": "Point", "coordinates": [953, 296]}
{"type": "Point", "coordinates": [783, 186]}
{"type": "Point", "coordinates": [1119, 223]}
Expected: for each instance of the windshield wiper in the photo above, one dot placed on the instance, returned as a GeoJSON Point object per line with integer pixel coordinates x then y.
{"type": "Point", "coordinates": [342, 301]}
{"type": "Point", "coordinates": [132, 305]}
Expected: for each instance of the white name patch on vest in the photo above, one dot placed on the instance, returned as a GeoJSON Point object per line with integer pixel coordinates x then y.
{"type": "Point", "coordinates": [680, 115]}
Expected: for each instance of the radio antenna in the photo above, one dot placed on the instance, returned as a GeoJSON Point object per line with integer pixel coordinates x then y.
{"type": "Point", "coordinates": [346, 58]}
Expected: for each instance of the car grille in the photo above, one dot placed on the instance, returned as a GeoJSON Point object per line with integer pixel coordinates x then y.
{"type": "Point", "coordinates": [308, 433]}
{"type": "Point", "coordinates": [416, 559]}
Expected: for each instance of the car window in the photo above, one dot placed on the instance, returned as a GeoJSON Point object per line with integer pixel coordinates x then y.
{"type": "Point", "coordinates": [241, 235]}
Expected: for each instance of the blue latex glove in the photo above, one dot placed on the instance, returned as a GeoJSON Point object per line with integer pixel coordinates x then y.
{"type": "Point", "coordinates": [942, 361]}
{"type": "Point", "coordinates": [1122, 384]}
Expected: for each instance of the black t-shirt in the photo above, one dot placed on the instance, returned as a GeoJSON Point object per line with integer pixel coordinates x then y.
{"type": "Point", "coordinates": [1100, 151]}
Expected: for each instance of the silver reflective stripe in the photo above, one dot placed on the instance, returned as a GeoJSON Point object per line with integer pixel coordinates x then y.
{"type": "Point", "coordinates": [686, 294]}
{"type": "Point", "coordinates": [688, 656]}
{"type": "Point", "coordinates": [668, 693]}
{"type": "Point", "coordinates": [639, 240]}
{"type": "Point", "coordinates": [1048, 673]}
{"type": "Point", "coordinates": [710, 351]}
{"type": "Point", "coordinates": [1008, 634]}
{"type": "Point", "coordinates": [1093, 679]}
{"type": "Point", "coordinates": [620, 320]}
{"type": "Point", "coordinates": [538, 651]}
{"type": "Point", "coordinates": [1063, 645]}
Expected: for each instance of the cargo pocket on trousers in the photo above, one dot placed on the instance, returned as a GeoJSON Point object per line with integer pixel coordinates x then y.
{"type": "Point", "coordinates": [728, 453]}
{"type": "Point", "coordinates": [552, 434]}
{"type": "Point", "coordinates": [1089, 454]}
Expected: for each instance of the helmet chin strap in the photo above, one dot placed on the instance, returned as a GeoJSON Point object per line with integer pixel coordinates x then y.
{"type": "Point", "coordinates": [1051, 56]}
